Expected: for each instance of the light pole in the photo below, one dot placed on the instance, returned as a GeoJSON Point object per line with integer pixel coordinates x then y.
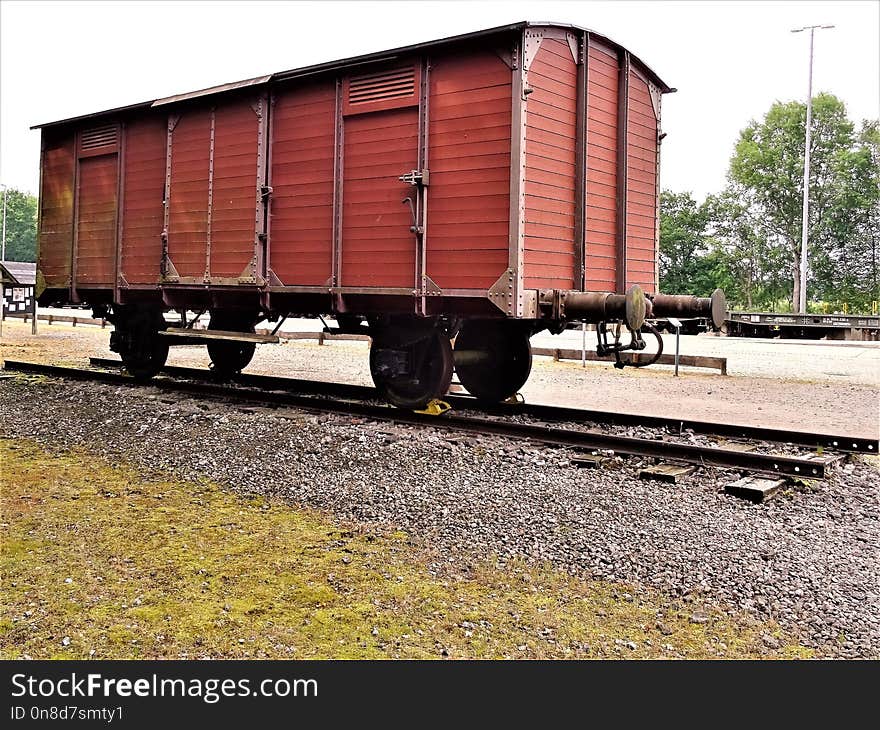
{"type": "Point", "coordinates": [802, 299]}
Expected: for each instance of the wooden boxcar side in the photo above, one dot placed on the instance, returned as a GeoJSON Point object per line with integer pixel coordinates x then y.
{"type": "Point", "coordinates": [481, 169]}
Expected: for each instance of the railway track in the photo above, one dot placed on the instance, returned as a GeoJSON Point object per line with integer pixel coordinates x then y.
{"type": "Point", "coordinates": [556, 414]}
{"type": "Point", "coordinates": [351, 400]}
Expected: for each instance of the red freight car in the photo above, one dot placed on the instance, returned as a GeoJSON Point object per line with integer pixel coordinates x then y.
{"type": "Point", "coordinates": [482, 187]}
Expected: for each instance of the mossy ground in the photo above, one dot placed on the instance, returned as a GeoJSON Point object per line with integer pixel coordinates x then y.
{"type": "Point", "coordinates": [102, 561]}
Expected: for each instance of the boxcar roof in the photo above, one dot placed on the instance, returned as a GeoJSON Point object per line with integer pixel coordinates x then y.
{"type": "Point", "coordinates": [329, 66]}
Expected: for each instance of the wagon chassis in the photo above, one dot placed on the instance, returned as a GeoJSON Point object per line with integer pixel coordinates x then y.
{"type": "Point", "coordinates": [355, 401]}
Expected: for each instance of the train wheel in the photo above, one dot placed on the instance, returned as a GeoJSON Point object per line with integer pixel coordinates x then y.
{"type": "Point", "coordinates": [229, 357]}
{"type": "Point", "coordinates": [411, 377]}
{"type": "Point", "coordinates": [144, 350]}
{"type": "Point", "coordinates": [493, 359]}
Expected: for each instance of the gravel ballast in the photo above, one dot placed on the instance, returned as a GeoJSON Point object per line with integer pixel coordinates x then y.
{"type": "Point", "coordinates": [807, 558]}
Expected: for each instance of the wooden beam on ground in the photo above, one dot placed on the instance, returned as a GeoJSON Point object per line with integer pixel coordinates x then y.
{"type": "Point", "coordinates": [755, 489]}
{"type": "Point", "coordinates": [669, 473]}
{"type": "Point", "coordinates": [696, 361]}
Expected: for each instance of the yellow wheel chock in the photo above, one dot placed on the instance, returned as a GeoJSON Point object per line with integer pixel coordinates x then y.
{"type": "Point", "coordinates": [516, 399]}
{"type": "Point", "coordinates": [436, 407]}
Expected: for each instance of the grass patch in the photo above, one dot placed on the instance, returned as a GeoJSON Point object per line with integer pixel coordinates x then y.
{"type": "Point", "coordinates": [101, 561]}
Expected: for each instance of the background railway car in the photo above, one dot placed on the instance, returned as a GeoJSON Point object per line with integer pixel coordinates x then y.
{"type": "Point", "coordinates": [482, 188]}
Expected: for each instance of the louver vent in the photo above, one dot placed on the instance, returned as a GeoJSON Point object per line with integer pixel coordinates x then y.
{"type": "Point", "coordinates": [97, 138]}
{"type": "Point", "coordinates": [379, 87]}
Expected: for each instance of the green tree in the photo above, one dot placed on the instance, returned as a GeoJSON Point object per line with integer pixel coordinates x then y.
{"type": "Point", "coordinates": [690, 260]}
{"type": "Point", "coordinates": [21, 226]}
{"type": "Point", "coordinates": [766, 179]}
{"type": "Point", "coordinates": [682, 240]}
{"type": "Point", "coordinates": [751, 255]}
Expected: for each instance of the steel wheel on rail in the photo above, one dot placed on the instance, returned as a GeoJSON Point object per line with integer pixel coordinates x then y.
{"type": "Point", "coordinates": [144, 350]}
{"type": "Point", "coordinates": [229, 357]}
{"type": "Point", "coordinates": [493, 358]}
{"type": "Point", "coordinates": [411, 377]}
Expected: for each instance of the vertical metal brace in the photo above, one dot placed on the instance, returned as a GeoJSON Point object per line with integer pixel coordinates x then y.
{"type": "Point", "coordinates": [120, 201]}
{"type": "Point", "coordinates": [164, 270]}
{"type": "Point", "coordinates": [258, 259]}
{"type": "Point", "coordinates": [422, 193]}
{"type": "Point", "coordinates": [210, 198]}
{"type": "Point", "coordinates": [74, 297]}
{"type": "Point", "coordinates": [338, 163]}
{"type": "Point", "coordinates": [580, 177]}
{"type": "Point", "coordinates": [655, 100]}
{"type": "Point", "coordinates": [516, 242]}
{"type": "Point", "coordinates": [622, 164]}
{"type": "Point", "coordinates": [266, 196]}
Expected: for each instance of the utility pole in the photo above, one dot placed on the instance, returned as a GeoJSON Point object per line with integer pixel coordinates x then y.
{"type": "Point", "coordinates": [805, 224]}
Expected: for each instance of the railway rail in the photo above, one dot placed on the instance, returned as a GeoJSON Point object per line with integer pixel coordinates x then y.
{"type": "Point", "coordinates": [558, 414]}
{"type": "Point", "coordinates": [354, 400]}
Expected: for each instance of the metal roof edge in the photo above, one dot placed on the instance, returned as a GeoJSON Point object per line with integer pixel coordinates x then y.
{"type": "Point", "coordinates": [211, 90]}
{"type": "Point", "coordinates": [115, 110]}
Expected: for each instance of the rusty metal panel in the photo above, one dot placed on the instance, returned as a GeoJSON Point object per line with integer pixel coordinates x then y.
{"type": "Point", "coordinates": [378, 248]}
{"type": "Point", "coordinates": [56, 209]}
{"type": "Point", "coordinates": [550, 172]}
{"type": "Point", "coordinates": [95, 235]}
{"type": "Point", "coordinates": [302, 180]}
{"type": "Point", "coordinates": [469, 132]}
{"type": "Point", "coordinates": [601, 204]}
{"type": "Point", "coordinates": [142, 203]}
{"type": "Point", "coordinates": [642, 194]}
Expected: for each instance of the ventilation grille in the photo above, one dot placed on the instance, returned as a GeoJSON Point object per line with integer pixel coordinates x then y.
{"type": "Point", "coordinates": [97, 137]}
{"type": "Point", "coordinates": [396, 84]}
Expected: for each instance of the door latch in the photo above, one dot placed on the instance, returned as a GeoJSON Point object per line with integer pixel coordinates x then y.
{"type": "Point", "coordinates": [416, 177]}
{"type": "Point", "coordinates": [415, 227]}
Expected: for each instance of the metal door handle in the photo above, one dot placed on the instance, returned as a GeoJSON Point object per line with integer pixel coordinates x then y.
{"type": "Point", "coordinates": [415, 227]}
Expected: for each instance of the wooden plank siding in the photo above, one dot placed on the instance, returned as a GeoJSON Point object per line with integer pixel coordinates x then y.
{"type": "Point", "coordinates": [235, 189]}
{"type": "Point", "coordinates": [98, 184]}
{"type": "Point", "coordinates": [551, 119]}
{"type": "Point", "coordinates": [641, 171]}
{"type": "Point", "coordinates": [56, 209]}
{"type": "Point", "coordinates": [143, 196]}
{"type": "Point", "coordinates": [601, 204]}
{"type": "Point", "coordinates": [188, 199]}
{"type": "Point", "coordinates": [469, 160]}
{"type": "Point", "coordinates": [301, 207]}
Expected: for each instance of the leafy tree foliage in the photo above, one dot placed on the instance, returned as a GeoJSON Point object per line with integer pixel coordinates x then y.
{"type": "Point", "coordinates": [747, 238]}
{"type": "Point", "coordinates": [21, 225]}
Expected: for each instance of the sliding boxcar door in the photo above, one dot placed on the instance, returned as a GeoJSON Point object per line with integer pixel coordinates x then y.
{"type": "Point", "coordinates": [380, 143]}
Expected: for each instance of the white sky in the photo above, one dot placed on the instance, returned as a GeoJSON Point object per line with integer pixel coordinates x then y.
{"type": "Point", "coordinates": [729, 60]}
